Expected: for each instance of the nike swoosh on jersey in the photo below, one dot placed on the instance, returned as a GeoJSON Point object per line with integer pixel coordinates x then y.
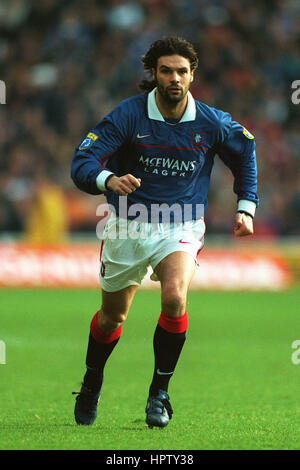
{"type": "Point", "coordinates": [181, 241]}
{"type": "Point", "coordinates": [163, 373]}
{"type": "Point", "coordinates": [142, 136]}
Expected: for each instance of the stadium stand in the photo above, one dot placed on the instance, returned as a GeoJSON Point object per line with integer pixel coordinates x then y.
{"type": "Point", "coordinates": [66, 64]}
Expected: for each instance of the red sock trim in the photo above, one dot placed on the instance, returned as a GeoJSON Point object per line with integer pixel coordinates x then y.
{"type": "Point", "coordinates": [100, 336]}
{"type": "Point", "coordinates": [173, 325]}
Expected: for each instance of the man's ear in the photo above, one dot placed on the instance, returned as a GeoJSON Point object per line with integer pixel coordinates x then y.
{"type": "Point", "coordinates": [192, 76]}
{"type": "Point", "coordinates": [153, 73]}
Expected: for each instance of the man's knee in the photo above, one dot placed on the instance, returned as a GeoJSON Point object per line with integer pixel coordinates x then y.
{"type": "Point", "coordinates": [173, 301]}
{"type": "Point", "coordinates": [115, 308]}
{"type": "Point", "coordinates": [110, 320]}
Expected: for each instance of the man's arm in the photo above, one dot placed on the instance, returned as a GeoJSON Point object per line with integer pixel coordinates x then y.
{"type": "Point", "coordinates": [237, 151]}
{"type": "Point", "coordinates": [90, 168]}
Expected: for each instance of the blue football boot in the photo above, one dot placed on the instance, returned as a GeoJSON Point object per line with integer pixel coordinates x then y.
{"type": "Point", "coordinates": [86, 406]}
{"type": "Point", "coordinates": [158, 410]}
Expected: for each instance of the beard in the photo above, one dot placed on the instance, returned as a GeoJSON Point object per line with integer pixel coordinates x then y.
{"type": "Point", "coordinates": [168, 96]}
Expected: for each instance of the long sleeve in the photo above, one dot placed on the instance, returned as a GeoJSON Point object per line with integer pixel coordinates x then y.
{"type": "Point", "coordinates": [88, 169]}
{"type": "Point", "coordinates": [237, 151]}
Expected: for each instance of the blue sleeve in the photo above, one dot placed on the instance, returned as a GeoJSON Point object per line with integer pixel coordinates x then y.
{"type": "Point", "coordinates": [236, 149]}
{"type": "Point", "coordinates": [95, 150]}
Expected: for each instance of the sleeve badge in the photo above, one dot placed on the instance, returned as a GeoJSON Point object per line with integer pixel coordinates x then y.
{"type": "Point", "coordinates": [88, 141]}
{"type": "Point", "coordinates": [247, 133]}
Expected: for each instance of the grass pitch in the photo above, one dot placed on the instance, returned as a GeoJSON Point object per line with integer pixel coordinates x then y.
{"type": "Point", "coordinates": [235, 386]}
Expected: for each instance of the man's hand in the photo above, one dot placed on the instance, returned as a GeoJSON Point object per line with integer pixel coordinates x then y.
{"type": "Point", "coordinates": [123, 185]}
{"type": "Point", "coordinates": [243, 225]}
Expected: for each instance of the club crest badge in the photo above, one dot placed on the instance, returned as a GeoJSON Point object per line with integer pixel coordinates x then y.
{"type": "Point", "coordinates": [197, 138]}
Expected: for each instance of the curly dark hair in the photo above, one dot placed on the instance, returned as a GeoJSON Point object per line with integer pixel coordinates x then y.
{"type": "Point", "coordinates": [166, 46]}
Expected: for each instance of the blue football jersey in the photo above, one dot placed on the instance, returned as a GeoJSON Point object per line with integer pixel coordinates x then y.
{"type": "Point", "coordinates": [173, 160]}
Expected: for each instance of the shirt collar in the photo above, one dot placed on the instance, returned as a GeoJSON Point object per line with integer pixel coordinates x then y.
{"type": "Point", "coordinates": [154, 113]}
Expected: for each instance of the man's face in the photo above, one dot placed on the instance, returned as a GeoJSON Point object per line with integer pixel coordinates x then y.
{"type": "Point", "coordinates": [173, 75]}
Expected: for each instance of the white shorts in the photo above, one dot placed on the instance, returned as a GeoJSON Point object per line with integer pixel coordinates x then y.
{"type": "Point", "coordinates": [128, 248]}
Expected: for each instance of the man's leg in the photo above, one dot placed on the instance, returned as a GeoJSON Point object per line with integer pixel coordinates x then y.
{"type": "Point", "coordinates": [175, 273]}
{"type": "Point", "coordinates": [105, 332]}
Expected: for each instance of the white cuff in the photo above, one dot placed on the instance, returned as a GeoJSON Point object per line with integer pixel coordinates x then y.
{"type": "Point", "coordinates": [101, 178]}
{"type": "Point", "coordinates": [247, 206]}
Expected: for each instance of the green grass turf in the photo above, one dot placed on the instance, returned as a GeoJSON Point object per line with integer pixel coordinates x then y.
{"type": "Point", "coordinates": [235, 386]}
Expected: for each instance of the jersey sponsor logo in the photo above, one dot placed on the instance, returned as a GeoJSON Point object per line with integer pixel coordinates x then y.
{"type": "Point", "coordinates": [167, 166]}
{"type": "Point", "coordinates": [247, 133]}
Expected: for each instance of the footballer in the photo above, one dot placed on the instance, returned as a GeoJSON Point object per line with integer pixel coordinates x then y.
{"type": "Point", "coordinates": [157, 148]}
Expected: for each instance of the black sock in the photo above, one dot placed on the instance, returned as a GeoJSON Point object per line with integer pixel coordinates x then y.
{"type": "Point", "coordinates": [167, 348]}
{"type": "Point", "coordinates": [96, 357]}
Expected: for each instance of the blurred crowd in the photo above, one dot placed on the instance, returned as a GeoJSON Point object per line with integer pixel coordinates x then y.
{"type": "Point", "coordinates": [66, 64]}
